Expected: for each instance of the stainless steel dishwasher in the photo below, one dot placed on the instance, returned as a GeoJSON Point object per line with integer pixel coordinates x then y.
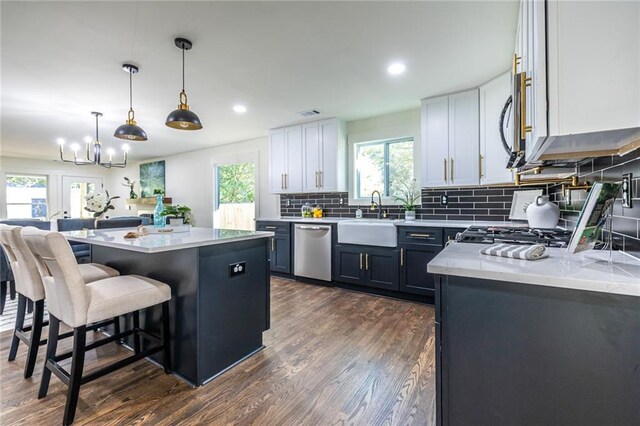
{"type": "Point", "coordinates": [312, 255]}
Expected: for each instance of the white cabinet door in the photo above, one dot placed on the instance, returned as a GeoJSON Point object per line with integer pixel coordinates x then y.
{"type": "Point", "coordinates": [293, 174]}
{"type": "Point", "coordinates": [464, 146]}
{"type": "Point", "coordinates": [312, 157]}
{"type": "Point", "coordinates": [493, 156]}
{"type": "Point", "coordinates": [594, 66]}
{"type": "Point", "coordinates": [435, 142]}
{"type": "Point", "coordinates": [331, 155]}
{"type": "Point", "coordinates": [277, 160]}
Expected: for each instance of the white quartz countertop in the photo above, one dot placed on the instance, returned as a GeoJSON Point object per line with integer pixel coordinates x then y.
{"type": "Point", "coordinates": [401, 222]}
{"type": "Point", "coordinates": [583, 271]}
{"type": "Point", "coordinates": [153, 243]}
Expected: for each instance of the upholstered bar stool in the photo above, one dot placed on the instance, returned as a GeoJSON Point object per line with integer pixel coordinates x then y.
{"type": "Point", "coordinates": [27, 273]}
{"type": "Point", "coordinates": [78, 305]}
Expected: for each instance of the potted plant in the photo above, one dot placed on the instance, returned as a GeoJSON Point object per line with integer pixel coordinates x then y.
{"type": "Point", "coordinates": [130, 184]}
{"type": "Point", "coordinates": [408, 195]}
{"type": "Point", "coordinates": [178, 215]}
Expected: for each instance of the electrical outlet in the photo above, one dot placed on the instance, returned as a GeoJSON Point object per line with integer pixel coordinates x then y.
{"type": "Point", "coordinates": [341, 201]}
{"type": "Point", "coordinates": [444, 200]}
{"type": "Point", "coordinates": [627, 190]}
{"type": "Point", "coordinates": [236, 269]}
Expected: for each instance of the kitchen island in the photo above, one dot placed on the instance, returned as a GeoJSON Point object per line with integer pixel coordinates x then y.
{"type": "Point", "coordinates": [219, 281]}
{"type": "Point", "coordinates": [552, 341]}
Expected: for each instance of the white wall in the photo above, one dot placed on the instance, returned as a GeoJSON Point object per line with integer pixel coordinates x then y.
{"type": "Point", "coordinates": [54, 170]}
{"type": "Point", "coordinates": [189, 179]}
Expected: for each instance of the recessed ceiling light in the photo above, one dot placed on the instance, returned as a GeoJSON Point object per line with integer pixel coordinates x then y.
{"type": "Point", "coordinates": [240, 109]}
{"type": "Point", "coordinates": [396, 68]}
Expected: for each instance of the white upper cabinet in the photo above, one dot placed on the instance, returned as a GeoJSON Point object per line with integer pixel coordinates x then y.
{"type": "Point", "coordinates": [493, 156]}
{"type": "Point", "coordinates": [285, 160]}
{"type": "Point", "coordinates": [583, 62]}
{"type": "Point", "coordinates": [435, 141]}
{"type": "Point", "coordinates": [450, 146]}
{"type": "Point", "coordinates": [314, 158]}
{"type": "Point", "coordinates": [464, 149]}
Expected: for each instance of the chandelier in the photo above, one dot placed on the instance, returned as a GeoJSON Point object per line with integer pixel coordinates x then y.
{"type": "Point", "coordinates": [95, 155]}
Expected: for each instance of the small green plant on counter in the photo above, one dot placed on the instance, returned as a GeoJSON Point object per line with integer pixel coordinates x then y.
{"type": "Point", "coordinates": [178, 211]}
{"type": "Point", "coordinates": [408, 194]}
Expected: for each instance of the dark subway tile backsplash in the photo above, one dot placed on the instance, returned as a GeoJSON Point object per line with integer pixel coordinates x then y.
{"type": "Point", "coordinates": [626, 221]}
{"type": "Point", "coordinates": [481, 203]}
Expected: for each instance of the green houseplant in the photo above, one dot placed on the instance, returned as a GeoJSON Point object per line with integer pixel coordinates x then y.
{"type": "Point", "coordinates": [407, 194]}
{"type": "Point", "coordinates": [178, 212]}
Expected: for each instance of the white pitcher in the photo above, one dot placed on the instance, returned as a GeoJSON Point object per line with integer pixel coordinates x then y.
{"type": "Point", "coordinates": [543, 213]}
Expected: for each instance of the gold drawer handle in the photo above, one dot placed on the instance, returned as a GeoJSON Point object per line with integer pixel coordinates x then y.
{"type": "Point", "coordinates": [270, 227]}
{"type": "Point", "coordinates": [444, 168]}
{"type": "Point", "coordinates": [366, 259]}
{"type": "Point", "coordinates": [273, 244]}
{"type": "Point", "coordinates": [361, 261]}
{"type": "Point", "coordinates": [401, 257]}
{"type": "Point", "coordinates": [420, 235]}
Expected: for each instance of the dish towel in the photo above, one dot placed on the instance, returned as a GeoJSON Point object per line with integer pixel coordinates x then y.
{"type": "Point", "coordinates": [517, 251]}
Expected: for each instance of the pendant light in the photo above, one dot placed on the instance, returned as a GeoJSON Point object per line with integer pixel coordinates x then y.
{"type": "Point", "coordinates": [182, 118]}
{"type": "Point", "coordinates": [130, 130]}
{"type": "Point", "coordinates": [94, 152]}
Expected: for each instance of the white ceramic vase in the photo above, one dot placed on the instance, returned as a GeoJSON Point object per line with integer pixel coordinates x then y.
{"type": "Point", "coordinates": [410, 215]}
{"type": "Point", "coordinates": [543, 213]}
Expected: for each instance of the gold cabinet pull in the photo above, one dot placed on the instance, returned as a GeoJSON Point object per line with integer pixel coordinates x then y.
{"type": "Point", "coordinates": [444, 168]}
{"type": "Point", "coordinates": [286, 181]}
{"type": "Point", "coordinates": [361, 261]}
{"type": "Point", "coordinates": [524, 83]}
{"type": "Point", "coordinates": [270, 227]}
{"type": "Point", "coordinates": [516, 62]}
{"type": "Point", "coordinates": [321, 180]}
{"type": "Point", "coordinates": [273, 244]}
{"type": "Point", "coordinates": [401, 257]}
{"type": "Point", "coordinates": [366, 261]}
{"type": "Point", "coordinates": [480, 163]}
{"type": "Point", "coordinates": [419, 235]}
{"type": "Point", "coordinates": [451, 167]}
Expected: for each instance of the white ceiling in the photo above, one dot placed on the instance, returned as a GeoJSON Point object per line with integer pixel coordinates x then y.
{"type": "Point", "coordinates": [61, 60]}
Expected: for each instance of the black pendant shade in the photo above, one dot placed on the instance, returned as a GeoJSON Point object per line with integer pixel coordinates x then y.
{"type": "Point", "coordinates": [130, 130]}
{"type": "Point", "coordinates": [182, 118]}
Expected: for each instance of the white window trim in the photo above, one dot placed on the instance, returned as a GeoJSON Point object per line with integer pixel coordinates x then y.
{"type": "Point", "coordinates": [6, 204]}
{"type": "Point", "coordinates": [366, 201]}
{"type": "Point", "coordinates": [242, 157]}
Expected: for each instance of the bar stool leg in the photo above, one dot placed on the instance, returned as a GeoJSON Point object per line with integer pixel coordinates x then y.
{"type": "Point", "coordinates": [116, 327]}
{"type": "Point", "coordinates": [22, 303]}
{"type": "Point", "coordinates": [12, 289]}
{"type": "Point", "coordinates": [136, 335]}
{"type": "Point", "coordinates": [77, 363]}
{"type": "Point", "coordinates": [3, 295]}
{"type": "Point", "coordinates": [52, 345]}
{"type": "Point", "coordinates": [166, 338]}
{"type": "Point", "coordinates": [29, 306]}
{"type": "Point", "coordinates": [34, 342]}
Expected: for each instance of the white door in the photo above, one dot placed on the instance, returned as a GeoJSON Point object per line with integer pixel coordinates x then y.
{"type": "Point", "coordinates": [435, 142]}
{"type": "Point", "coordinates": [311, 155]}
{"type": "Point", "coordinates": [493, 166]}
{"type": "Point", "coordinates": [293, 174]}
{"type": "Point", "coordinates": [277, 160]}
{"type": "Point", "coordinates": [464, 144]}
{"type": "Point", "coordinates": [74, 189]}
{"type": "Point", "coordinates": [328, 155]}
{"type": "Point", "coordinates": [235, 187]}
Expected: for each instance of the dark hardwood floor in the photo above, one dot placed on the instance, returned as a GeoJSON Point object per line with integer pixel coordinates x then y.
{"type": "Point", "coordinates": [331, 357]}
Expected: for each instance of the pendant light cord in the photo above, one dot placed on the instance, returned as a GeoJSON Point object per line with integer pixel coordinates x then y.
{"type": "Point", "coordinates": [97, 128]}
{"type": "Point", "coordinates": [183, 68]}
{"type": "Point", "coordinates": [130, 89]}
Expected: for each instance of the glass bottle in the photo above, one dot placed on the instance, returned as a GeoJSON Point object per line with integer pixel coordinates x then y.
{"type": "Point", "coordinates": [158, 220]}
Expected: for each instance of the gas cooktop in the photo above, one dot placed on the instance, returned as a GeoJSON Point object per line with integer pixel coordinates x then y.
{"type": "Point", "coordinates": [499, 234]}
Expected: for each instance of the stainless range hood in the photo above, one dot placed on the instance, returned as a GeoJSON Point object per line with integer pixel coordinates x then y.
{"type": "Point", "coordinates": [582, 146]}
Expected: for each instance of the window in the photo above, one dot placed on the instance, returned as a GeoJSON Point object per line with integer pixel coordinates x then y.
{"type": "Point", "coordinates": [379, 164]}
{"type": "Point", "coordinates": [26, 196]}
